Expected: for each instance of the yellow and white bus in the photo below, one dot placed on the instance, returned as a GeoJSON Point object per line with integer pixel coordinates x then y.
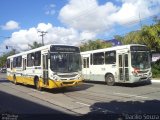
{"type": "Point", "coordinates": [50, 66]}
{"type": "Point", "coordinates": [119, 64]}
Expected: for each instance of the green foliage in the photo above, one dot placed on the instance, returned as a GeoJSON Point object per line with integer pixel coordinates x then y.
{"type": "Point", "coordinates": [148, 35]}
{"type": "Point", "coordinates": [156, 69]}
{"type": "Point", "coordinates": [93, 45]}
{"type": "Point", "coordinates": [3, 58]}
{"type": "Point", "coordinates": [35, 45]}
{"type": "Point", "coordinates": [119, 38]}
{"type": "Point", "coordinates": [132, 38]}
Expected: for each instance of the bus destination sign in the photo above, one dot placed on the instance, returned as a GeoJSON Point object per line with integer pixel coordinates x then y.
{"type": "Point", "coordinates": [61, 48]}
{"type": "Point", "coordinates": [139, 48]}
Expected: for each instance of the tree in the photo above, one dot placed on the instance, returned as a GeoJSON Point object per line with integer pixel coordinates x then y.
{"type": "Point", "coordinates": [119, 38]}
{"type": "Point", "coordinates": [148, 35]}
{"type": "Point", "coordinates": [93, 45]}
{"type": "Point", "coordinates": [35, 45]}
{"type": "Point", "coordinates": [156, 19]}
{"type": "Point", "coordinates": [3, 58]}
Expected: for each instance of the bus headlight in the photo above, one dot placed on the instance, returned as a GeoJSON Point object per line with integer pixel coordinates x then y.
{"type": "Point", "coordinates": [135, 72]}
{"type": "Point", "coordinates": [79, 76]}
{"type": "Point", "coordinates": [55, 77]}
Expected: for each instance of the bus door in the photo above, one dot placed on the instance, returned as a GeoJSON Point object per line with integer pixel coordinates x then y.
{"type": "Point", "coordinates": [45, 69]}
{"type": "Point", "coordinates": [123, 68]}
{"type": "Point", "coordinates": [24, 61]}
{"type": "Point", "coordinates": [86, 70]}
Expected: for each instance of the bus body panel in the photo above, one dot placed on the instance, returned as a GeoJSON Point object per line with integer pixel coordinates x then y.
{"type": "Point", "coordinates": [98, 72]}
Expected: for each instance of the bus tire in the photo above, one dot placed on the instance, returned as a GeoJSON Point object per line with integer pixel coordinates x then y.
{"type": "Point", "coordinates": [109, 79]}
{"type": "Point", "coordinates": [37, 84]}
{"type": "Point", "coordinates": [14, 80]}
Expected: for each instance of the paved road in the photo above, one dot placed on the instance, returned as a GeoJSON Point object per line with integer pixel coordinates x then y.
{"type": "Point", "coordinates": [85, 100]}
{"type": "Point", "coordinates": [17, 102]}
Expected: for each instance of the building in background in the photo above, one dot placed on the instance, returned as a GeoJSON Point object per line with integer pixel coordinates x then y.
{"type": "Point", "coordinates": [114, 42]}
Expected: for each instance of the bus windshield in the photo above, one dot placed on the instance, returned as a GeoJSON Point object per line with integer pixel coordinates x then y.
{"type": "Point", "coordinates": [65, 62]}
{"type": "Point", "coordinates": [140, 60]}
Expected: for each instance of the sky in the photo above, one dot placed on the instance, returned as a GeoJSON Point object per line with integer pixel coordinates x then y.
{"type": "Point", "coordinates": [70, 22]}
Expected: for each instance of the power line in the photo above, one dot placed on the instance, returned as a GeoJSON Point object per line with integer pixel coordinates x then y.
{"type": "Point", "coordinates": [43, 33]}
{"type": "Point", "coordinates": [140, 20]}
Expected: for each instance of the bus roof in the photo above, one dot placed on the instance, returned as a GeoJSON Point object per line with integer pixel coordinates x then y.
{"type": "Point", "coordinates": [36, 49]}
{"type": "Point", "coordinates": [112, 48]}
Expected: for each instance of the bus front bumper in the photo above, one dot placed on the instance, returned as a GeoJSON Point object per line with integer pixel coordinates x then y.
{"type": "Point", "coordinates": [66, 83]}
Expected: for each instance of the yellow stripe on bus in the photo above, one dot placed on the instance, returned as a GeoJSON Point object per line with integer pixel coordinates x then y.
{"type": "Point", "coordinates": [51, 83]}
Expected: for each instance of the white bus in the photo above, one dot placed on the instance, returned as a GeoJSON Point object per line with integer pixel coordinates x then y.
{"type": "Point", "coordinates": [50, 66]}
{"type": "Point", "coordinates": [120, 64]}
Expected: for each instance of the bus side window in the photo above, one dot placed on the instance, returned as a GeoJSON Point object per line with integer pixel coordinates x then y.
{"type": "Point", "coordinates": [110, 57]}
{"type": "Point", "coordinates": [91, 59]}
{"type": "Point", "coordinates": [98, 58]}
{"type": "Point", "coordinates": [14, 62]}
{"type": "Point", "coordinates": [24, 63]}
{"type": "Point", "coordinates": [19, 61]}
{"type": "Point", "coordinates": [120, 60]}
{"type": "Point", "coordinates": [84, 63]}
{"type": "Point", "coordinates": [11, 65]}
{"type": "Point", "coordinates": [37, 59]}
{"type": "Point", "coordinates": [30, 59]}
{"type": "Point", "coordinates": [87, 62]}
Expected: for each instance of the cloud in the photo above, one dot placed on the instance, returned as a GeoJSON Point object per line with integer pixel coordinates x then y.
{"type": "Point", "coordinates": [89, 15]}
{"type": "Point", "coordinates": [86, 35]}
{"type": "Point", "coordinates": [11, 25]}
{"type": "Point", "coordinates": [54, 35]}
{"type": "Point", "coordinates": [50, 9]}
{"type": "Point", "coordinates": [133, 10]}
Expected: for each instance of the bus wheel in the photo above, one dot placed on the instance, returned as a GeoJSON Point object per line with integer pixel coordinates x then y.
{"type": "Point", "coordinates": [14, 80]}
{"type": "Point", "coordinates": [109, 79]}
{"type": "Point", "coordinates": [37, 84]}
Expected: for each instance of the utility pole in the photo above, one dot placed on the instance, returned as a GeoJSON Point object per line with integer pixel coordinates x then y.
{"type": "Point", "coordinates": [42, 35]}
{"type": "Point", "coordinates": [140, 21]}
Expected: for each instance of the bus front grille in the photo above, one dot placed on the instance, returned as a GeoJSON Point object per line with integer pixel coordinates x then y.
{"type": "Point", "coordinates": [145, 71]}
{"type": "Point", "coordinates": [67, 76]}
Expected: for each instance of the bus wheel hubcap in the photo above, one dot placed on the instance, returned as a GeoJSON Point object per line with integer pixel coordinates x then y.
{"type": "Point", "coordinates": [110, 79]}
